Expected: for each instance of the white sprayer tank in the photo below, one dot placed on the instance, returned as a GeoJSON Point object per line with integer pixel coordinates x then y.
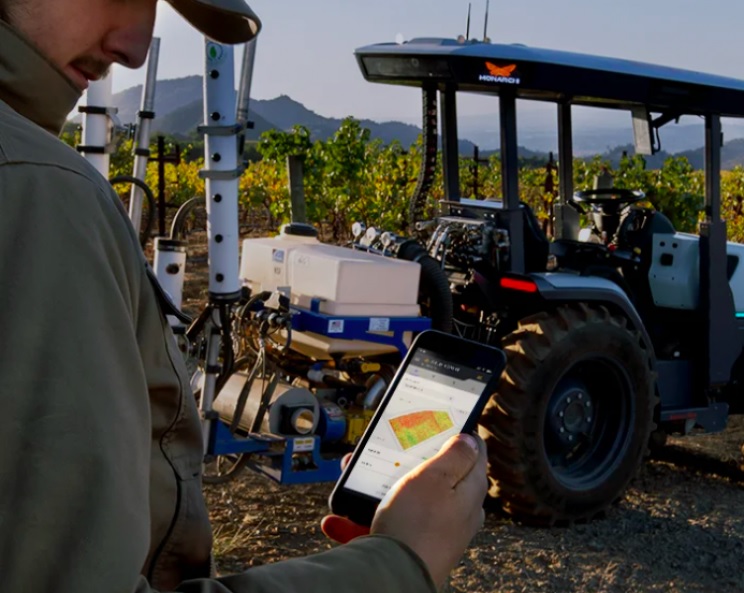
{"type": "Point", "coordinates": [346, 281]}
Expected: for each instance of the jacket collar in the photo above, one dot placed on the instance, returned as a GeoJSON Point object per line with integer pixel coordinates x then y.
{"type": "Point", "coordinates": [32, 85]}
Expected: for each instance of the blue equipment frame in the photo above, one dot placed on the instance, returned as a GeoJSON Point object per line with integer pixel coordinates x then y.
{"type": "Point", "coordinates": [298, 460]}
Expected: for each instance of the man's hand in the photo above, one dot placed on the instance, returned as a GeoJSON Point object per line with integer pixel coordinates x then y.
{"type": "Point", "coordinates": [341, 529]}
{"type": "Point", "coordinates": [436, 509]}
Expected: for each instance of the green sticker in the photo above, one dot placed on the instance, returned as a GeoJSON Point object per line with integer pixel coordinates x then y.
{"type": "Point", "coordinates": [214, 52]}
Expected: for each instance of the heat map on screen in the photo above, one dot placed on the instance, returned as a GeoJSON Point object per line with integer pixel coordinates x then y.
{"type": "Point", "coordinates": [417, 427]}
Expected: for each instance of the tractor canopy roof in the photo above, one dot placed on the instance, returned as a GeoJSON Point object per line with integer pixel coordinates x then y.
{"type": "Point", "coordinates": [549, 75]}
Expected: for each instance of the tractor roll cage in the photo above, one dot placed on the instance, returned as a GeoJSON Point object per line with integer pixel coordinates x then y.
{"type": "Point", "coordinates": [447, 66]}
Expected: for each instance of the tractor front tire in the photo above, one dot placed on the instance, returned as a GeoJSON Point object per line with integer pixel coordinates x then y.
{"type": "Point", "coordinates": [570, 422]}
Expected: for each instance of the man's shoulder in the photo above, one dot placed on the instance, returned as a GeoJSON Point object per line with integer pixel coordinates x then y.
{"type": "Point", "coordinates": [39, 172]}
{"type": "Point", "coordinates": [24, 143]}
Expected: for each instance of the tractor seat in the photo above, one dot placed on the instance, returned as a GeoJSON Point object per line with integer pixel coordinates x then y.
{"type": "Point", "coordinates": [639, 227]}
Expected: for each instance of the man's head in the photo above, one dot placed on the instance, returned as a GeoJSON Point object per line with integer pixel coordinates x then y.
{"type": "Point", "coordinates": [84, 37]}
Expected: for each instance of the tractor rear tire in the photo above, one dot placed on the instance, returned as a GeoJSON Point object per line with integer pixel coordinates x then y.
{"type": "Point", "coordinates": [570, 422]}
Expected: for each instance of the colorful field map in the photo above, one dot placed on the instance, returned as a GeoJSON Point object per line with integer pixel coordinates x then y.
{"type": "Point", "coordinates": [412, 429]}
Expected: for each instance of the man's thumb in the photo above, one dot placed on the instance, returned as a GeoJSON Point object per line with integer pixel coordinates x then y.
{"type": "Point", "coordinates": [457, 457]}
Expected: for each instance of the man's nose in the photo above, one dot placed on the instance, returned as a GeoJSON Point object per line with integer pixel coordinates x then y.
{"type": "Point", "coordinates": [129, 41]}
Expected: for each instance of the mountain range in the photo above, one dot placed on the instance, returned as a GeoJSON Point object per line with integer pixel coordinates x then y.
{"type": "Point", "coordinates": [179, 110]}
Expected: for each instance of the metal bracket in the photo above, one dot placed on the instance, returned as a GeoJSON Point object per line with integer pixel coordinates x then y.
{"type": "Point", "coordinates": [222, 175]}
{"type": "Point", "coordinates": [110, 112]}
{"type": "Point", "coordinates": [95, 149]}
{"type": "Point", "coordinates": [97, 110]}
{"type": "Point", "coordinates": [117, 130]}
{"type": "Point", "coordinates": [711, 419]}
{"type": "Point", "coordinates": [657, 124]}
{"type": "Point", "coordinates": [232, 130]}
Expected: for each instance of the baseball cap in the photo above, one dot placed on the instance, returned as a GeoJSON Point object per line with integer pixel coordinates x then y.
{"type": "Point", "coordinates": [224, 21]}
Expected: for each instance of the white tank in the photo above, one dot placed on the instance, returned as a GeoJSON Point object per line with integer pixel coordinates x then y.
{"type": "Point", "coordinates": [347, 281]}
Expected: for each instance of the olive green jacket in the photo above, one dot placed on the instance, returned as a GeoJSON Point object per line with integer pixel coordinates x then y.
{"type": "Point", "coordinates": [100, 483]}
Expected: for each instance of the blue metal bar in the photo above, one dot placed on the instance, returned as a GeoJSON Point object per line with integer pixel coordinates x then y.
{"type": "Point", "coordinates": [321, 470]}
{"type": "Point", "coordinates": [280, 464]}
{"type": "Point", "coordinates": [358, 328]}
{"type": "Point", "coordinates": [223, 442]}
{"type": "Point", "coordinates": [297, 460]}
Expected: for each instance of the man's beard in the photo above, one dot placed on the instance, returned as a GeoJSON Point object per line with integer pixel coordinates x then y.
{"type": "Point", "coordinates": [92, 66]}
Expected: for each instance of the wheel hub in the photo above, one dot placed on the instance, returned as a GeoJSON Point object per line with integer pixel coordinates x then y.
{"type": "Point", "coordinates": [572, 414]}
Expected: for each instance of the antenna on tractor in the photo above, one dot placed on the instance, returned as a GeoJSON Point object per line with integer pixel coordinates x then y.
{"type": "Point", "coordinates": [485, 24]}
{"type": "Point", "coordinates": [467, 28]}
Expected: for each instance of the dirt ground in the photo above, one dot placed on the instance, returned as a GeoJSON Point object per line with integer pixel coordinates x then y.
{"type": "Point", "coordinates": [679, 529]}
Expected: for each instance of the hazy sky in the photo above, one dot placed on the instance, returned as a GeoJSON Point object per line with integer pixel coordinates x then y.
{"type": "Point", "coordinates": [306, 48]}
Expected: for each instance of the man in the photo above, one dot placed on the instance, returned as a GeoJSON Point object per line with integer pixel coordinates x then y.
{"type": "Point", "coordinates": [100, 485]}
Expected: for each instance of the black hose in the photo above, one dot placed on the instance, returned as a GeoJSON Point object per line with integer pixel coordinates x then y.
{"type": "Point", "coordinates": [179, 220]}
{"type": "Point", "coordinates": [144, 233]}
{"type": "Point", "coordinates": [417, 204]}
{"type": "Point", "coordinates": [197, 326]}
{"type": "Point", "coordinates": [228, 353]}
{"type": "Point", "coordinates": [434, 289]}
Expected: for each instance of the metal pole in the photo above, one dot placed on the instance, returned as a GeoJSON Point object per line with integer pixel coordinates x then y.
{"type": "Point", "coordinates": [142, 143]}
{"type": "Point", "coordinates": [161, 185]}
{"type": "Point", "coordinates": [246, 81]}
{"type": "Point", "coordinates": [296, 188]}
{"type": "Point", "coordinates": [713, 144]}
{"type": "Point", "coordinates": [244, 93]}
{"type": "Point", "coordinates": [566, 223]}
{"type": "Point", "coordinates": [214, 341]}
{"type": "Point", "coordinates": [450, 148]}
{"type": "Point", "coordinates": [509, 156]}
{"type": "Point", "coordinates": [467, 27]}
{"type": "Point", "coordinates": [510, 178]}
{"type": "Point", "coordinates": [476, 162]}
{"type": "Point", "coordinates": [485, 23]}
{"type": "Point", "coordinates": [716, 300]}
{"type": "Point", "coordinates": [565, 152]}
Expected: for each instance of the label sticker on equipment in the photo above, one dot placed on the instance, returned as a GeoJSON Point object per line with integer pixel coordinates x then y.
{"type": "Point", "coordinates": [214, 51]}
{"type": "Point", "coordinates": [304, 444]}
{"type": "Point", "coordinates": [336, 326]}
{"type": "Point", "coordinates": [379, 324]}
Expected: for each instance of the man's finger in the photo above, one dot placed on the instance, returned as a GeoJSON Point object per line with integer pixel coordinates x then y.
{"type": "Point", "coordinates": [456, 458]}
{"type": "Point", "coordinates": [341, 529]}
{"type": "Point", "coordinates": [345, 461]}
{"type": "Point", "coordinates": [475, 484]}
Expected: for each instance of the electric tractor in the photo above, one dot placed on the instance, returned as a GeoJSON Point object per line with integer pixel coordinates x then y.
{"type": "Point", "coordinates": [616, 334]}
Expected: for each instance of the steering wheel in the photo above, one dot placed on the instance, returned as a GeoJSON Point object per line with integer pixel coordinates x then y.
{"type": "Point", "coordinates": [609, 199]}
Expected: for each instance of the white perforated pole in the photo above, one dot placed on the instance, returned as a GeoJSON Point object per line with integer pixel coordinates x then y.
{"type": "Point", "coordinates": [142, 142]}
{"type": "Point", "coordinates": [221, 171]}
{"type": "Point", "coordinates": [97, 124]}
